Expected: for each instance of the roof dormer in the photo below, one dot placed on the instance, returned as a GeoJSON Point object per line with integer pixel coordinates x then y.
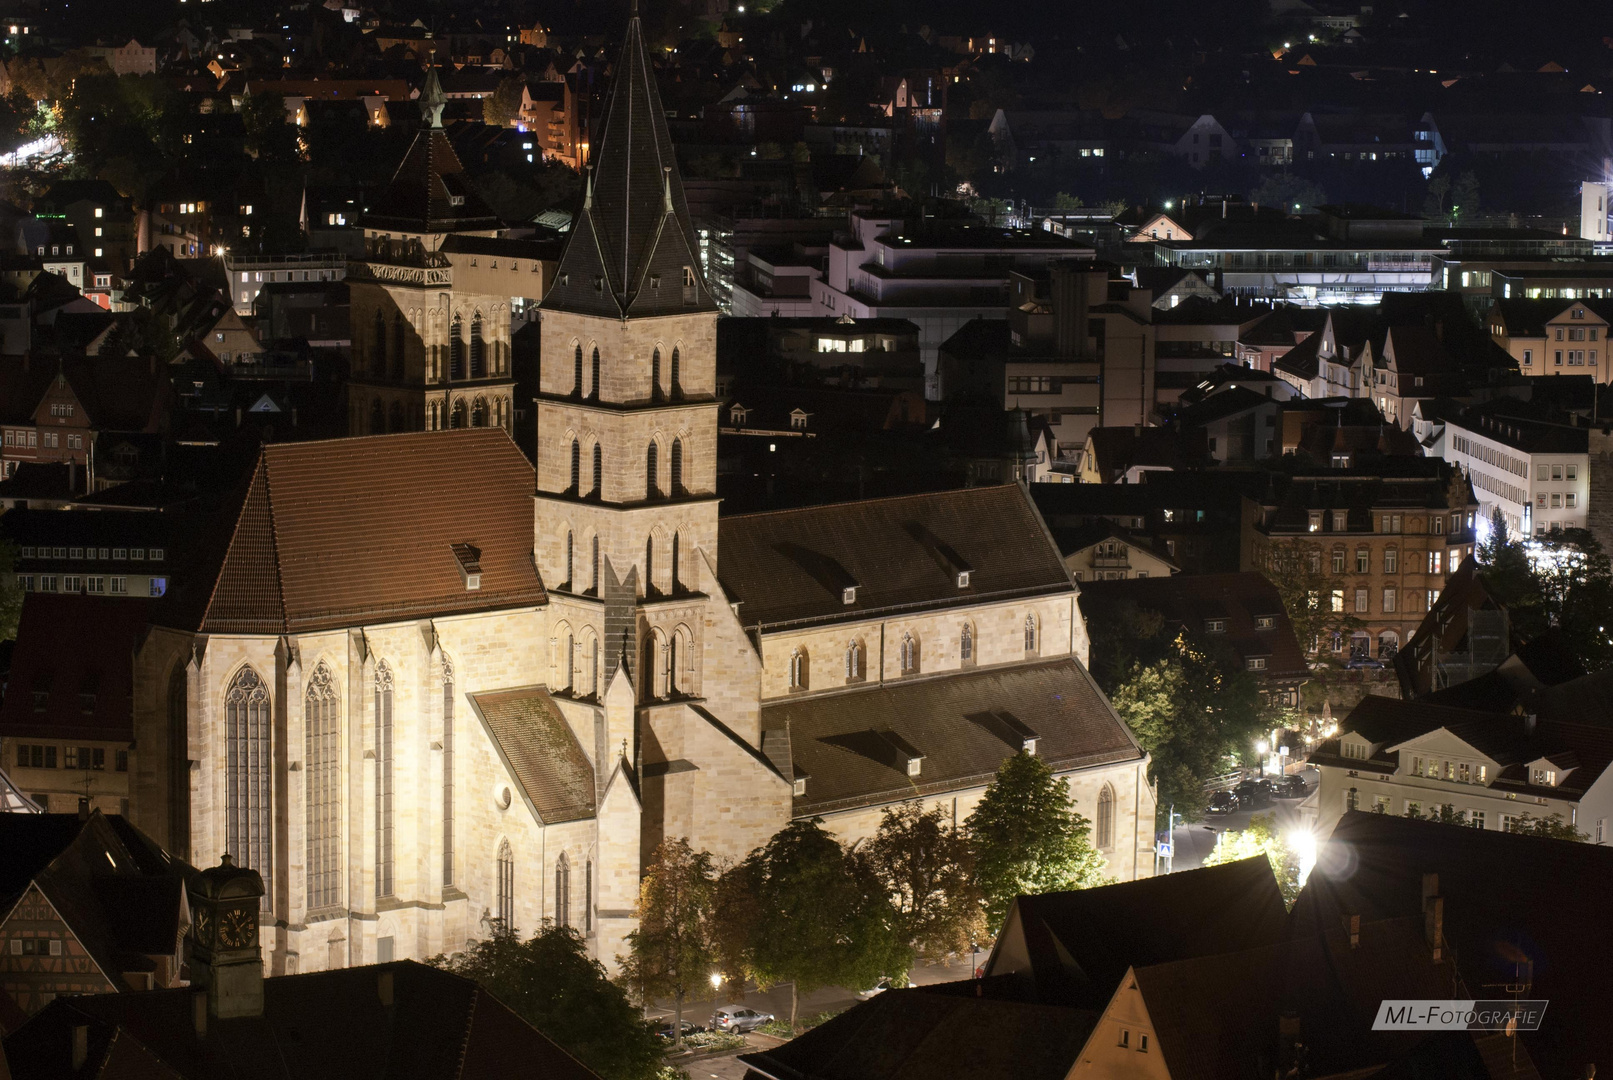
{"type": "Point", "coordinates": [469, 560]}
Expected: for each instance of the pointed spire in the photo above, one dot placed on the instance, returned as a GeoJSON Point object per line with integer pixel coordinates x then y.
{"type": "Point", "coordinates": [432, 99]}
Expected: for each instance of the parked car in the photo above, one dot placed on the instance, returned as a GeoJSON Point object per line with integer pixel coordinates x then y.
{"type": "Point", "coordinates": [1252, 794]}
{"type": "Point", "coordinates": [1364, 663]}
{"type": "Point", "coordinates": [1223, 802]}
{"type": "Point", "coordinates": [874, 991]}
{"type": "Point", "coordinates": [738, 1019]}
{"type": "Point", "coordinates": [1292, 786]}
{"type": "Point", "coordinates": [664, 1029]}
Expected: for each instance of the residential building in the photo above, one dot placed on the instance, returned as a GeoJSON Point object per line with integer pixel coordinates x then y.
{"type": "Point", "coordinates": [1193, 338]}
{"type": "Point", "coordinates": [1554, 337]}
{"type": "Point", "coordinates": [110, 554]}
{"type": "Point", "coordinates": [91, 906]}
{"type": "Point", "coordinates": [1103, 551]}
{"type": "Point", "coordinates": [1242, 612]}
{"type": "Point", "coordinates": [843, 351]}
{"type": "Point", "coordinates": [1120, 455]}
{"type": "Point", "coordinates": [1239, 424]}
{"type": "Point", "coordinates": [249, 273]}
{"type": "Point", "coordinates": [1386, 536]}
{"type": "Point", "coordinates": [1490, 768]}
{"type": "Point", "coordinates": [1596, 211]}
{"type": "Point", "coordinates": [1526, 460]}
{"type": "Point", "coordinates": [1408, 364]}
{"type": "Point", "coordinates": [428, 353]}
{"type": "Point", "coordinates": [65, 730]}
{"type": "Point", "coordinates": [52, 411]}
{"type": "Point", "coordinates": [1465, 635]}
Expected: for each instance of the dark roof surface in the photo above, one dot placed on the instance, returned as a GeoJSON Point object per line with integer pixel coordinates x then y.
{"type": "Point", "coordinates": [353, 530]}
{"type": "Point", "coordinates": [1508, 899]}
{"type": "Point", "coordinates": [541, 751]}
{"type": "Point", "coordinates": [72, 673]}
{"type": "Point", "coordinates": [632, 242]}
{"type": "Point", "coordinates": [851, 744]}
{"type": "Point", "coordinates": [329, 1025]}
{"type": "Point", "coordinates": [421, 196]}
{"type": "Point", "coordinates": [791, 565]}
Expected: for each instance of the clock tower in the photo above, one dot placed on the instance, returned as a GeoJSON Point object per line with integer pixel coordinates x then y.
{"type": "Point", "coordinates": [224, 954]}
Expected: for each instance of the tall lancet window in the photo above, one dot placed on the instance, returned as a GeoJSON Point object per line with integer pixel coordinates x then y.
{"type": "Point", "coordinates": [677, 467]}
{"type": "Point", "coordinates": [576, 465]}
{"type": "Point", "coordinates": [655, 374]}
{"type": "Point", "coordinates": [596, 373]}
{"type": "Point", "coordinates": [322, 777]}
{"type": "Point", "coordinates": [677, 559]}
{"type": "Point", "coordinates": [576, 370]}
{"type": "Point", "coordinates": [478, 348]}
{"type": "Point", "coordinates": [447, 773]}
{"type": "Point", "coordinates": [593, 561]}
{"type": "Point", "coordinates": [562, 891]}
{"type": "Point", "coordinates": [599, 469]}
{"type": "Point", "coordinates": [506, 887]}
{"type": "Point", "coordinates": [569, 580]}
{"type": "Point", "coordinates": [383, 780]}
{"type": "Point", "coordinates": [677, 387]}
{"type": "Point", "coordinates": [247, 723]}
{"type": "Point", "coordinates": [652, 487]}
{"type": "Point", "coordinates": [456, 350]}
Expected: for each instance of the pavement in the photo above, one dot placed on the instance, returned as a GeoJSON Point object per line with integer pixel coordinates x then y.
{"type": "Point", "coordinates": [1194, 842]}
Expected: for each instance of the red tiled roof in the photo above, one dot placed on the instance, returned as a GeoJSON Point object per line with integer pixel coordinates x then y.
{"type": "Point", "coordinates": [355, 530]}
{"type": "Point", "coordinates": [77, 651]}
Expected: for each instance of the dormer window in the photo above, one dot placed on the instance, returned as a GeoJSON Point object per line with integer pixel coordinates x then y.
{"type": "Point", "coordinates": [1215, 626]}
{"type": "Point", "coordinates": [848, 595]}
{"type": "Point", "coordinates": [798, 420]}
{"type": "Point", "coordinates": [655, 282]}
{"type": "Point", "coordinates": [599, 284]}
{"type": "Point", "coordinates": [915, 765]}
{"type": "Point", "coordinates": [469, 560]}
{"type": "Point", "coordinates": [1265, 622]}
{"type": "Point", "coordinates": [1340, 520]}
{"type": "Point", "coordinates": [963, 579]}
{"type": "Point", "coordinates": [799, 787]}
{"type": "Point", "coordinates": [688, 277]}
{"type": "Point", "coordinates": [456, 200]}
{"type": "Point", "coordinates": [738, 414]}
{"type": "Point", "coordinates": [1546, 777]}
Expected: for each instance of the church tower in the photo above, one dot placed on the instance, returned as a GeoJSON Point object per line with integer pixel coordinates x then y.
{"type": "Point", "coordinates": [427, 354]}
{"type": "Point", "coordinates": [626, 530]}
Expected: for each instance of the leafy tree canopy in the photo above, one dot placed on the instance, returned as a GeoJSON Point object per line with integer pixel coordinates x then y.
{"type": "Point", "coordinates": [926, 867]}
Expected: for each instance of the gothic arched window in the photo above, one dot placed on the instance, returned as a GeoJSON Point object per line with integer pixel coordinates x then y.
{"type": "Point", "coordinates": [651, 487]}
{"type": "Point", "coordinates": [677, 466]}
{"type": "Point", "coordinates": [478, 348]}
{"type": "Point", "coordinates": [677, 387]}
{"type": "Point", "coordinates": [854, 662]}
{"type": "Point", "coordinates": [247, 723]}
{"type": "Point", "coordinates": [966, 644]}
{"type": "Point", "coordinates": [909, 654]}
{"type": "Point", "coordinates": [596, 373]}
{"type": "Point", "coordinates": [593, 562]}
{"type": "Point", "coordinates": [447, 772]}
{"type": "Point", "coordinates": [506, 887]}
{"type": "Point", "coordinates": [576, 465]}
{"type": "Point", "coordinates": [576, 370]}
{"type": "Point", "coordinates": [677, 561]}
{"type": "Point", "coordinates": [322, 778]}
{"type": "Point", "coordinates": [599, 468]}
{"type": "Point", "coordinates": [478, 413]}
{"type": "Point", "coordinates": [456, 350]}
{"type": "Point", "coordinates": [568, 578]}
{"type": "Point", "coordinates": [1103, 830]}
{"type": "Point", "coordinates": [396, 423]}
{"type": "Point", "coordinates": [383, 780]}
{"type": "Point", "coordinates": [799, 671]}
{"type": "Point", "coordinates": [458, 415]}
{"type": "Point", "coordinates": [1030, 633]}
{"type": "Point", "coordinates": [649, 566]}
{"type": "Point", "coordinates": [562, 891]}
{"type": "Point", "coordinates": [655, 373]}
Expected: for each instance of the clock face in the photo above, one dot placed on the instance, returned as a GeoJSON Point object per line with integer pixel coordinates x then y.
{"type": "Point", "coordinates": [238, 928]}
{"type": "Point", "coordinates": [204, 926]}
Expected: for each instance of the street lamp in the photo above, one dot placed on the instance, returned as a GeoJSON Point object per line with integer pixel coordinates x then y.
{"type": "Point", "coordinates": [1262, 747]}
{"type": "Point", "coordinates": [716, 985]}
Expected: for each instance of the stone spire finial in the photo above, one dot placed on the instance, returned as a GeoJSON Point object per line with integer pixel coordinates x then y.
{"type": "Point", "coordinates": [432, 99]}
{"type": "Point", "coordinates": [666, 188]}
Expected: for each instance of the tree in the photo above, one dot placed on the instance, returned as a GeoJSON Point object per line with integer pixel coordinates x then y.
{"type": "Point", "coordinates": [670, 954]}
{"type": "Point", "coordinates": [1292, 194]}
{"type": "Point", "coordinates": [1553, 827]}
{"type": "Point", "coordinates": [926, 867]}
{"type": "Point", "coordinates": [1191, 711]}
{"type": "Point", "coordinates": [1295, 566]}
{"type": "Point", "coordinates": [1028, 838]}
{"type": "Point", "coordinates": [551, 983]}
{"type": "Point", "coordinates": [821, 917]}
{"type": "Point", "coordinates": [270, 138]}
{"type": "Point", "coordinates": [1260, 837]}
{"type": "Point", "coordinates": [10, 594]}
{"type": "Point", "coordinates": [1434, 203]}
{"type": "Point", "coordinates": [1063, 200]}
{"type": "Point", "coordinates": [1465, 197]}
{"type": "Point", "coordinates": [1562, 581]}
{"type": "Point", "coordinates": [500, 109]}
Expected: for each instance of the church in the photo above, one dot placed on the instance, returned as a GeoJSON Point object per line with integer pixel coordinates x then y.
{"type": "Point", "coordinates": [428, 689]}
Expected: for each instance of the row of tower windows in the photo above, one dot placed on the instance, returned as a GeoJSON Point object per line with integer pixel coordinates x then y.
{"type": "Point", "coordinates": [387, 350]}
{"type": "Point", "coordinates": [652, 470]}
{"type": "Point", "coordinates": [657, 393]}
{"type": "Point", "coordinates": [908, 655]}
{"type": "Point", "coordinates": [595, 568]}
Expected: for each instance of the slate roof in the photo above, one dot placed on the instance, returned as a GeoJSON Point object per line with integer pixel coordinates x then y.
{"type": "Point", "coordinates": [78, 652]}
{"type": "Point", "coordinates": [335, 533]}
{"type": "Point", "coordinates": [918, 1034]}
{"type": "Point", "coordinates": [791, 565]}
{"type": "Point", "coordinates": [1507, 898]}
{"type": "Point", "coordinates": [1389, 483]}
{"type": "Point", "coordinates": [117, 890]}
{"type": "Point", "coordinates": [1193, 599]}
{"type": "Point", "coordinates": [1080, 944]}
{"type": "Point", "coordinates": [540, 751]}
{"type": "Point", "coordinates": [852, 744]}
{"type": "Point", "coordinates": [328, 1025]}
{"type": "Point", "coordinates": [1118, 449]}
{"type": "Point", "coordinates": [421, 196]}
{"type": "Point", "coordinates": [632, 237]}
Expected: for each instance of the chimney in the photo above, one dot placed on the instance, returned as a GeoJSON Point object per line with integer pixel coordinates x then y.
{"type": "Point", "coordinates": [83, 808]}
{"type": "Point", "coordinates": [81, 1045]}
{"type": "Point", "coordinates": [383, 988]}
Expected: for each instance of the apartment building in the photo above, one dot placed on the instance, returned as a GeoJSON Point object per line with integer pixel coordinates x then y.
{"type": "Point", "coordinates": [1526, 460]}
{"type": "Point", "coordinates": [1383, 539]}
{"type": "Point", "coordinates": [1554, 336]}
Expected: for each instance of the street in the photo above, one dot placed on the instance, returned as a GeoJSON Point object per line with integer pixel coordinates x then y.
{"type": "Point", "coordinates": [1194, 842]}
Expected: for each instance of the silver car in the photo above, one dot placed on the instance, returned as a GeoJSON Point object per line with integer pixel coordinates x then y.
{"type": "Point", "coordinates": [739, 1020]}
